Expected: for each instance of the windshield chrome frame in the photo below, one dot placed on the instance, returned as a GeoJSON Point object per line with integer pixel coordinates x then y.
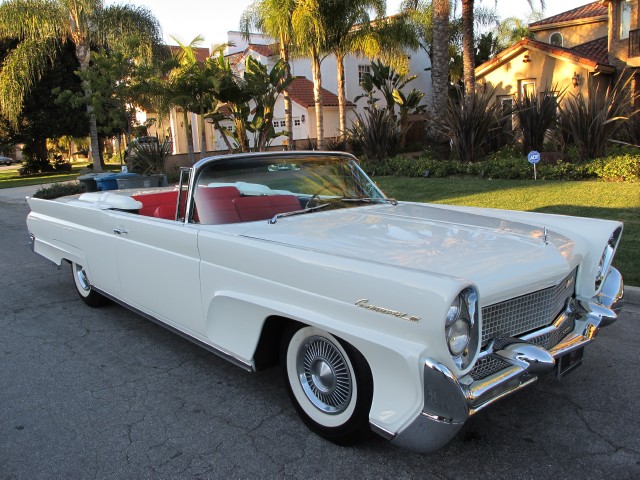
{"type": "Point", "coordinates": [287, 156]}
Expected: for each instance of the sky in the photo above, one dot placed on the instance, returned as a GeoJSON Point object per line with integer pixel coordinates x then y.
{"type": "Point", "coordinates": [185, 19]}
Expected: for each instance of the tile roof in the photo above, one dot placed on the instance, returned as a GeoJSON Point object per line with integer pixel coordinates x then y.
{"type": "Point", "coordinates": [596, 50]}
{"type": "Point", "coordinates": [201, 53]}
{"type": "Point", "coordinates": [301, 92]}
{"type": "Point", "coordinates": [264, 50]}
{"type": "Point", "coordinates": [590, 10]}
{"type": "Point", "coordinates": [591, 54]}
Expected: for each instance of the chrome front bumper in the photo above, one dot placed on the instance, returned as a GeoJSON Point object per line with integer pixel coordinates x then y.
{"type": "Point", "coordinates": [449, 401]}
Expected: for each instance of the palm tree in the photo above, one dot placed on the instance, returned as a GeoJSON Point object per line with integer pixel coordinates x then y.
{"type": "Point", "coordinates": [440, 65]}
{"type": "Point", "coordinates": [191, 88]}
{"type": "Point", "coordinates": [273, 17]}
{"type": "Point", "coordinates": [343, 39]}
{"type": "Point", "coordinates": [42, 26]}
{"type": "Point", "coordinates": [309, 36]}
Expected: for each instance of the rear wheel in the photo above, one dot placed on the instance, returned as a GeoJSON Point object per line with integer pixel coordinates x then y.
{"type": "Point", "coordinates": [329, 383]}
{"type": "Point", "coordinates": [84, 288]}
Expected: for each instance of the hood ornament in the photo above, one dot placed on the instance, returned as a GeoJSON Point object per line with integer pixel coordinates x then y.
{"type": "Point", "coordinates": [545, 236]}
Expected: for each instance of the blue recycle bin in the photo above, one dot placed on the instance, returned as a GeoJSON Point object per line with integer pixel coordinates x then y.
{"type": "Point", "coordinates": [109, 181]}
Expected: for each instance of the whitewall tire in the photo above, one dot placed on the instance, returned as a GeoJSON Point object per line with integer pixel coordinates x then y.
{"type": "Point", "coordinates": [329, 383]}
{"type": "Point", "coordinates": [84, 288]}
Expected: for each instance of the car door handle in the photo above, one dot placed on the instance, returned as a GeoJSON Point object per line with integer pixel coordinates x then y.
{"type": "Point", "coordinates": [120, 230]}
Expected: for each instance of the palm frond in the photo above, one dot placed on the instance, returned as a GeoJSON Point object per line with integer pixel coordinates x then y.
{"type": "Point", "coordinates": [33, 20]}
{"type": "Point", "coordinates": [116, 25]}
{"type": "Point", "coordinates": [22, 68]}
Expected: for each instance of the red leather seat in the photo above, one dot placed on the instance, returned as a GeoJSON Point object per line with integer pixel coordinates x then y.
{"type": "Point", "coordinates": [265, 207]}
{"type": "Point", "coordinates": [214, 205]}
{"type": "Point", "coordinates": [162, 204]}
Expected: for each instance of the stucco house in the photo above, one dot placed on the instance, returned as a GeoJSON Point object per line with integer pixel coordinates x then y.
{"type": "Point", "coordinates": [594, 42]}
{"type": "Point", "coordinates": [263, 49]}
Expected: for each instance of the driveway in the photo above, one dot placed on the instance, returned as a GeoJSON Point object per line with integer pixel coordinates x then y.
{"type": "Point", "coordinates": [104, 393]}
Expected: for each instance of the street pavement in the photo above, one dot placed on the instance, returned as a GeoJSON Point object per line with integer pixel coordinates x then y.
{"type": "Point", "coordinates": [104, 393]}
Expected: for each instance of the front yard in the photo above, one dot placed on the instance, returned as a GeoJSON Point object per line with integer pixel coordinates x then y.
{"type": "Point", "coordinates": [613, 201]}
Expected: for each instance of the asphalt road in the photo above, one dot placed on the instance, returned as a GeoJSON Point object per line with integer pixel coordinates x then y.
{"type": "Point", "coordinates": [104, 393]}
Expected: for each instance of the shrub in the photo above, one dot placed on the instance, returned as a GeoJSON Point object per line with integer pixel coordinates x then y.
{"type": "Point", "coordinates": [618, 168]}
{"type": "Point", "coordinates": [535, 118]}
{"type": "Point", "coordinates": [470, 121]}
{"type": "Point", "coordinates": [32, 164]}
{"type": "Point", "coordinates": [376, 134]}
{"type": "Point", "coordinates": [58, 190]}
{"type": "Point", "coordinates": [592, 122]}
{"type": "Point", "coordinates": [149, 157]}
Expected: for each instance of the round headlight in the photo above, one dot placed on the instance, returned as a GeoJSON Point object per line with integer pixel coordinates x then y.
{"type": "Point", "coordinates": [454, 312]}
{"type": "Point", "coordinates": [458, 337]}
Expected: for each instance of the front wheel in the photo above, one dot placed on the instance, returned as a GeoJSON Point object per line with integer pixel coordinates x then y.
{"type": "Point", "coordinates": [329, 383]}
{"type": "Point", "coordinates": [84, 288]}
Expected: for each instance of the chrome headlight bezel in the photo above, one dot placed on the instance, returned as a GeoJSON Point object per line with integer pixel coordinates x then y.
{"type": "Point", "coordinates": [606, 259]}
{"type": "Point", "coordinates": [462, 327]}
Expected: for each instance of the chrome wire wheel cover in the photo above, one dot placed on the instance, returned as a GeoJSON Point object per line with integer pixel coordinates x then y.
{"type": "Point", "coordinates": [324, 375]}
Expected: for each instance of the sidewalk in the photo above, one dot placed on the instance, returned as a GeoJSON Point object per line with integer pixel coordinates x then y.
{"type": "Point", "coordinates": [18, 194]}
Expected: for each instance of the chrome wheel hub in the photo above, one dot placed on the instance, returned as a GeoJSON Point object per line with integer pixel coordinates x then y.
{"type": "Point", "coordinates": [324, 375]}
{"type": "Point", "coordinates": [83, 281]}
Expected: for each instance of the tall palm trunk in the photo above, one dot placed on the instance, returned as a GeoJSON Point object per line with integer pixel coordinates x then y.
{"type": "Point", "coordinates": [317, 96]}
{"type": "Point", "coordinates": [440, 67]}
{"type": "Point", "coordinates": [288, 113]}
{"type": "Point", "coordinates": [83, 54]}
{"type": "Point", "coordinates": [342, 100]}
{"type": "Point", "coordinates": [468, 51]}
{"type": "Point", "coordinates": [203, 137]}
{"type": "Point", "coordinates": [192, 157]}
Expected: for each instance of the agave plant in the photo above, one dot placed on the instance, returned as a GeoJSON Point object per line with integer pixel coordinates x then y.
{"type": "Point", "coordinates": [470, 121]}
{"type": "Point", "coordinates": [376, 133]}
{"type": "Point", "coordinates": [593, 121]}
{"type": "Point", "coordinates": [537, 117]}
{"type": "Point", "coordinates": [149, 157]}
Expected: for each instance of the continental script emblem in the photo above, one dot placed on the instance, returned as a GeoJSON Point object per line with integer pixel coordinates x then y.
{"type": "Point", "coordinates": [364, 303]}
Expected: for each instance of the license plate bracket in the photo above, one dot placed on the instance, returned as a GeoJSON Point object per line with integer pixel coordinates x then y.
{"type": "Point", "coordinates": [568, 362]}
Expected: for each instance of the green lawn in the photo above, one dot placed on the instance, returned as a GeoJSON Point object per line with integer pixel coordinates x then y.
{"type": "Point", "coordinates": [613, 201]}
{"type": "Point", "coordinates": [11, 178]}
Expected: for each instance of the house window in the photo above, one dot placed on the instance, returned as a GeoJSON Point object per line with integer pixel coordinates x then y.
{"type": "Point", "coordinates": [556, 39]}
{"type": "Point", "coordinates": [296, 122]}
{"type": "Point", "coordinates": [362, 71]}
{"type": "Point", "coordinates": [625, 20]}
{"type": "Point", "coordinates": [528, 88]}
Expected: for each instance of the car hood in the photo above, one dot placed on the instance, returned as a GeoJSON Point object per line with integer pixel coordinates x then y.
{"type": "Point", "coordinates": [497, 254]}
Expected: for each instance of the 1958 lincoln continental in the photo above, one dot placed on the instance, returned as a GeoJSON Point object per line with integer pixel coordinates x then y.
{"type": "Point", "coordinates": [399, 318]}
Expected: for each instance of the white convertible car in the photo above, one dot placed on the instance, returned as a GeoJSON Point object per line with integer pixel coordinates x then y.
{"type": "Point", "coordinates": [399, 318]}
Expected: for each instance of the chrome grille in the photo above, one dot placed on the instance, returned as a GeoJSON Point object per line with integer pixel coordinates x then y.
{"type": "Point", "coordinates": [488, 365]}
{"type": "Point", "coordinates": [520, 315]}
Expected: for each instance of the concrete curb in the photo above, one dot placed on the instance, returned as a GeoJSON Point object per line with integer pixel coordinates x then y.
{"type": "Point", "coordinates": [632, 295]}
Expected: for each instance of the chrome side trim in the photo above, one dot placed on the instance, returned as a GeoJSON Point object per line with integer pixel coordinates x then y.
{"type": "Point", "coordinates": [221, 353]}
{"type": "Point", "coordinates": [383, 432]}
{"type": "Point", "coordinates": [612, 293]}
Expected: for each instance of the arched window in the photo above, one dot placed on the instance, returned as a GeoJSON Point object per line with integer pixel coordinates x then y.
{"type": "Point", "coordinates": [556, 39]}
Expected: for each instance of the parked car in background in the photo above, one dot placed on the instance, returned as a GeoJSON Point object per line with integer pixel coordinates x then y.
{"type": "Point", "coordinates": [6, 160]}
{"type": "Point", "coordinates": [394, 317]}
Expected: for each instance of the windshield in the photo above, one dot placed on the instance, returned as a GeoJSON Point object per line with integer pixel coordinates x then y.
{"type": "Point", "coordinates": [258, 187]}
